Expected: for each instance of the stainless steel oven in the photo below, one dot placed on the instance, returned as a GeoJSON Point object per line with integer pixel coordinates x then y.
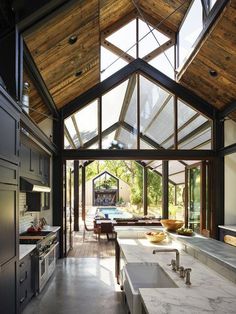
{"type": "Point", "coordinates": [47, 264]}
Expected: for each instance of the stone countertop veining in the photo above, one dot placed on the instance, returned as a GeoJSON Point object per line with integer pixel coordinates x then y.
{"type": "Point", "coordinates": [25, 249]}
{"type": "Point", "coordinates": [228, 227]}
{"type": "Point", "coordinates": [51, 228]}
{"type": "Point", "coordinates": [209, 292]}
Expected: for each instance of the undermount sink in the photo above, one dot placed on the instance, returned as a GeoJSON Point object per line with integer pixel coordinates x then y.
{"type": "Point", "coordinates": [137, 275]}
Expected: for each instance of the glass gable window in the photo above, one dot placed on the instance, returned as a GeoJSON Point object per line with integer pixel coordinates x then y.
{"type": "Point", "coordinates": [138, 113]}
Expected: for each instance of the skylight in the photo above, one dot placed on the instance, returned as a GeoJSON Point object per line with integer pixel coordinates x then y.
{"type": "Point", "coordinates": [136, 39]}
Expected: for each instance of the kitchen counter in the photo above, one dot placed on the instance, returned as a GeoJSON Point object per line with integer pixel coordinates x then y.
{"type": "Point", "coordinates": [228, 227]}
{"type": "Point", "coordinates": [25, 249]}
{"type": "Point", "coordinates": [209, 292]}
{"type": "Point", "coordinates": [51, 228]}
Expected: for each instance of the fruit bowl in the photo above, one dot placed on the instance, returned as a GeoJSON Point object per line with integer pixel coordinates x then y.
{"type": "Point", "coordinates": [172, 224]}
{"type": "Point", "coordinates": [185, 231]}
{"type": "Point", "coordinates": [155, 236]}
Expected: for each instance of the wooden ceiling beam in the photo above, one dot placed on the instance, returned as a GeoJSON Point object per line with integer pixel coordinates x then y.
{"type": "Point", "coordinates": [156, 52]}
{"type": "Point", "coordinates": [117, 51]}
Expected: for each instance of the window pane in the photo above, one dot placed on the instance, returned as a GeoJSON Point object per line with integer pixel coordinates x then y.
{"type": "Point", "coordinates": [125, 38]}
{"type": "Point", "coordinates": [190, 30]}
{"type": "Point", "coordinates": [130, 106]}
{"type": "Point", "coordinates": [72, 132]}
{"type": "Point", "coordinates": [165, 65]}
{"type": "Point", "coordinates": [111, 105]}
{"type": "Point", "coordinates": [128, 138]}
{"type": "Point", "coordinates": [151, 41]}
{"type": "Point", "coordinates": [87, 121]}
{"type": "Point", "coordinates": [163, 126]}
{"type": "Point", "coordinates": [110, 63]}
{"type": "Point", "coordinates": [154, 194]}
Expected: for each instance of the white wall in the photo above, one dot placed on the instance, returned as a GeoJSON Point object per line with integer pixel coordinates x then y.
{"type": "Point", "coordinates": [230, 175]}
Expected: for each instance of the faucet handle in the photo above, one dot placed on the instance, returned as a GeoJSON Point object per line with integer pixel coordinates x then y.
{"type": "Point", "coordinates": [173, 264]}
{"type": "Point", "coordinates": [181, 272]}
{"type": "Point", "coordinates": [187, 273]}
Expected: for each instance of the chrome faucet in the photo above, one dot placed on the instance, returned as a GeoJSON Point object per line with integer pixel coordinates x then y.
{"type": "Point", "coordinates": [175, 266]}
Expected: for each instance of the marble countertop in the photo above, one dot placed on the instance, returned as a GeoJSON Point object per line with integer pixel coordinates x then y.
{"type": "Point", "coordinates": [51, 228]}
{"type": "Point", "coordinates": [218, 251]}
{"type": "Point", "coordinates": [25, 249]}
{"type": "Point", "coordinates": [209, 292]}
{"type": "Point", "coordinates": [229, 227]}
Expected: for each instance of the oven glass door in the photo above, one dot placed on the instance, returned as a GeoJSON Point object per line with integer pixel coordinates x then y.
{"type": "Point", "coordinates": [43, 273]}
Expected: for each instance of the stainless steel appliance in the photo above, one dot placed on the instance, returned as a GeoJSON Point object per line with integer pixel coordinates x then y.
{"type": "Point", "coordinates": [45, 256]}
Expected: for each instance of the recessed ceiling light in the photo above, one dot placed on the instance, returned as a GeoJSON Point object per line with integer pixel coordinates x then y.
{"type": "Point", "coordinates": [213, 73]}
{"type": "Point", "coordinates": [78, 73]}
{"type": "Point", "coordinates": [72, 39]}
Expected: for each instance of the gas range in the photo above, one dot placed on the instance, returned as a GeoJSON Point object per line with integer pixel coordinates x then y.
{"type": "Point", "coordinates": [43, 240]}
{"type": "Point", "coordinates": [45, 254]}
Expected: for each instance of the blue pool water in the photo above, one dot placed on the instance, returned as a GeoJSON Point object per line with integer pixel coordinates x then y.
{"type": "Point", "coordinates": [113, 212]}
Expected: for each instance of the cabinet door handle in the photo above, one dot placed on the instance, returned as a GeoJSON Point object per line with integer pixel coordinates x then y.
{"type": "Point", "coordinates": [23, 298]}
{"type": "Point", "coordinates": [21, 264]}
{"type": "Point", "coordinates": [23, 279]}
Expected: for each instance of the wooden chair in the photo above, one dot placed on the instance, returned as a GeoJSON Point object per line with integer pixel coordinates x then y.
{"type": "Point", "coordinates": [107, 228]}
{"type": "Point", "coordinates": [96, 230]}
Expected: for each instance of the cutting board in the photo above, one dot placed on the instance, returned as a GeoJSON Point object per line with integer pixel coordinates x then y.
{"type": "Point", "coordinates": [230, 240]}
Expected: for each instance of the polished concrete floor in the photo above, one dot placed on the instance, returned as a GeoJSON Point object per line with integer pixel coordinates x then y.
{"type": "Point", "coordinates": [80, 286]}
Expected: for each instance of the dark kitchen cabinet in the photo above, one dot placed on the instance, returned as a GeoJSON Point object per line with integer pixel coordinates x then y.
{"type": "Point", "coordinates": [37, 201]}
{"type": "Point", "coordinates": [9, 163]}
{"type": "Point", "coordinates": [34, 163]}
{"type": "Point", "coordinates": [8, 221]}
{"type": "Point", "coordinates": [8, 290]}
{"type": "Point", "coordinates": [9, 129]}
{"type": "Point", "coordinates": [26, 281]}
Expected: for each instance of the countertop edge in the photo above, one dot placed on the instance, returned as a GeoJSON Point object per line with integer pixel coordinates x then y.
{"type": "Point", "coordinates": [25, 249]}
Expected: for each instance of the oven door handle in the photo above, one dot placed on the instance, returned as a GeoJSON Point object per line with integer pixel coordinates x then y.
{"type": "Point", "coordinates": [51, 249]}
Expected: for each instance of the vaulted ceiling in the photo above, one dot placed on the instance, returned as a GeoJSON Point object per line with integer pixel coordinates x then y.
{"type": "Point", "coordinates": [68, 70]}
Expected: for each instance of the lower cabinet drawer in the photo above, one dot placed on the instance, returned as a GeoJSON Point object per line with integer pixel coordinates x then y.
{"type": "Point", "coordinates": [26, 285]}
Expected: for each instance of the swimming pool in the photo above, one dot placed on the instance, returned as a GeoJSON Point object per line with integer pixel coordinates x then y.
{"type": "Point", "coordinates": [113, 212]}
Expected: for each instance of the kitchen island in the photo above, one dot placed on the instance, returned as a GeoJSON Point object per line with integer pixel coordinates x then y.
{"type": "Point", "coordinates": [209, 292]}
